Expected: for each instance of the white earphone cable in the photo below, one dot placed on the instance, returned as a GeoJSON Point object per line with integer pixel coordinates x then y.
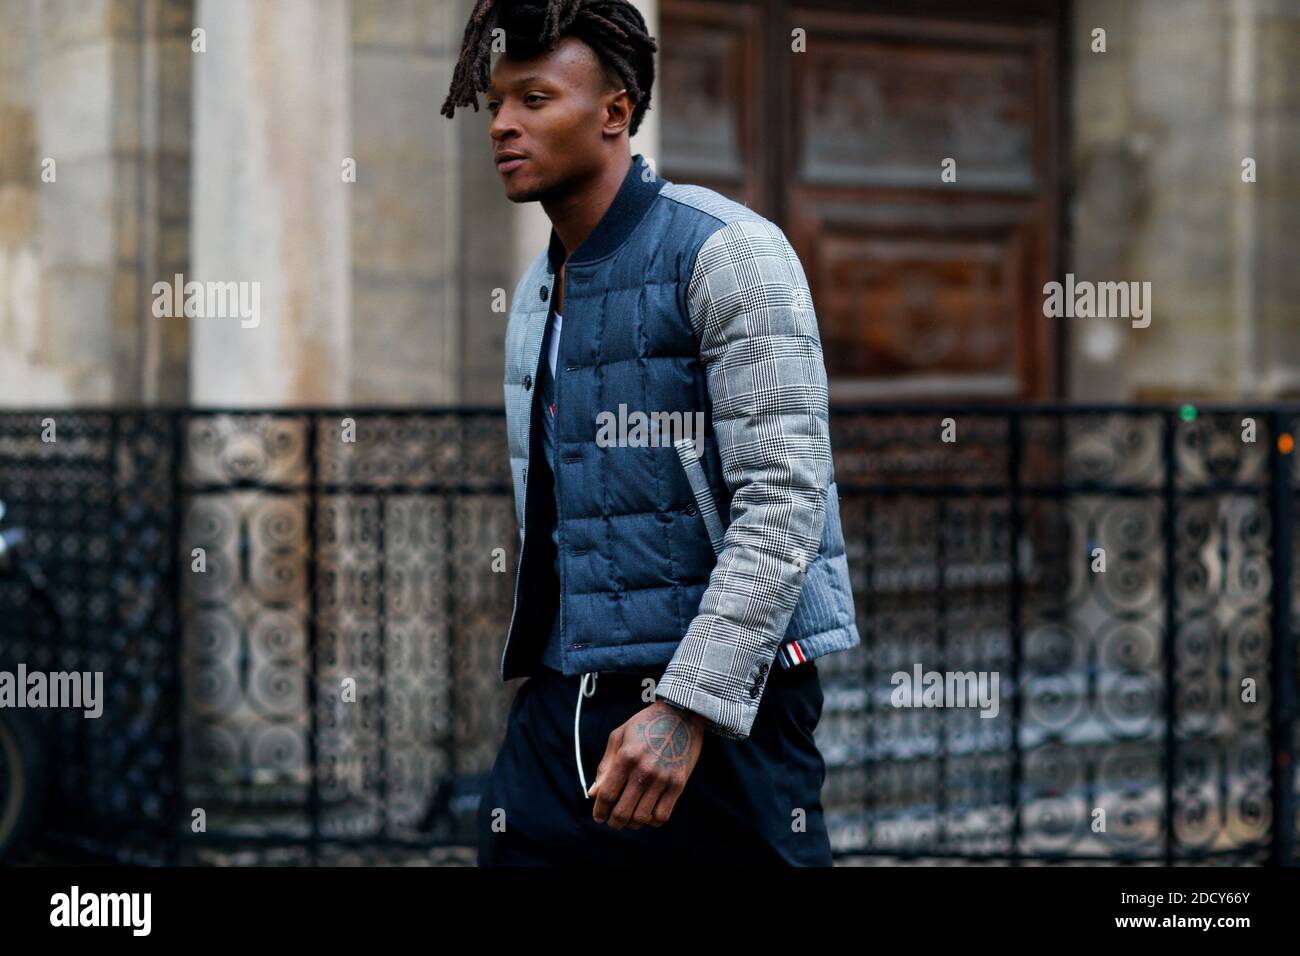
{"type": "Point", "coordinates": [577, 713]}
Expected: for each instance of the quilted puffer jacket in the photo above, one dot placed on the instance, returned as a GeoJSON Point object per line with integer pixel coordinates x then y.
{"type": "Point", "coordinates": [679, 301]}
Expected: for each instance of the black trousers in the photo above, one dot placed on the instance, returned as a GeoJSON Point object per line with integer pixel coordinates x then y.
{"type": "Point", "coordinates": [748, 801]}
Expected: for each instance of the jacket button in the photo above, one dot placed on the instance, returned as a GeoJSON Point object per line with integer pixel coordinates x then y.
{"type": "Point", "coordinates": [753, 692]}
{"type": "Point", "coordinates": [690, 509]}
{"type": "Point", "coordinates": [762, 668]}
{"type": "Point", "coordinates": [528, 382]}
{"type": "Point", "coordinates": [542, 292]}
{"type": "Point", "coordinates": [525, 474]}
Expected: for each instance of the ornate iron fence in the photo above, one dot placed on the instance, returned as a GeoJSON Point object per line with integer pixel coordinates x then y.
{"type": "Point", "coordinates": [299, 617]}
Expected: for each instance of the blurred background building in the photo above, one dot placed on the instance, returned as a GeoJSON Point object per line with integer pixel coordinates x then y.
{"type": "Point", "coordinates": [226, 164]}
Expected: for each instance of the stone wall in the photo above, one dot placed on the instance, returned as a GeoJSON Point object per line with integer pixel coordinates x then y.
{"type": "Point", "coordinates": [406, 207]}
{"type": "Point", "coordinates": [270, 203]}
{"type": "Point", "coordinates": [94, 147]}
{"type": "Point", "coordinates": [1162, 121]}
{"type": "Point", "coordinates": [220, 158]}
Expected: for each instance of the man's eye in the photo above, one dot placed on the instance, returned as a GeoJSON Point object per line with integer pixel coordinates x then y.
{"type": "Point", "coordinates": [532, 96]}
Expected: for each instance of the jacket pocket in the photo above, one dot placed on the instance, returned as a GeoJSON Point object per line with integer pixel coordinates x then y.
{"type": "Point", "coordinates": [700, 489]}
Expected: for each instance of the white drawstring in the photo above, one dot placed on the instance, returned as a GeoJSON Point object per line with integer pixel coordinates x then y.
{"type": "Point", "coordinates": [577, 712]}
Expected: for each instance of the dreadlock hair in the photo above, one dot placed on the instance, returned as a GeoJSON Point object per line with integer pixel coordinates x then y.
{"type": "Point", "coordinates": [614, 29]}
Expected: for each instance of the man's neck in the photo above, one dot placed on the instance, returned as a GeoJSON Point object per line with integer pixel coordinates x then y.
{"type": "Point", "coordinates": [574, 216]}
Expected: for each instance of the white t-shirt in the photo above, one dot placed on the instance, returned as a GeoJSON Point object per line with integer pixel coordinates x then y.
{"type": "Point", "coordinates": [554, 352]}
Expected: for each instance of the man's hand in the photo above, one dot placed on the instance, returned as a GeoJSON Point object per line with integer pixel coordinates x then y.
{"type": "Point", "coordinates": [646, 765]}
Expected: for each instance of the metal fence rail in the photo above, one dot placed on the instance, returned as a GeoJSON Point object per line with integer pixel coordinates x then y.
{"type": "Point", "coordinates": [299, 616]}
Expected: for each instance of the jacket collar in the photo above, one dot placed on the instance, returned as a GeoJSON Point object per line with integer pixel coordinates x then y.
{"type": "Point", "coordinates": [624, 213]}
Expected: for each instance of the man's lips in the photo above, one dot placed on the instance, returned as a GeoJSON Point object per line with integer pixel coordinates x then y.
{"type": "Point", "coordinates": [506, 163]}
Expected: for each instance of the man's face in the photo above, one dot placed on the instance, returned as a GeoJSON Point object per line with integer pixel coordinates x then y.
{"type": "Point", "coordinates": [554, 109]}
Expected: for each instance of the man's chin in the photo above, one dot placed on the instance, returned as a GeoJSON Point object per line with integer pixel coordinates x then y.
{"type": "Point", "coordinates": [524, 186]}
{"type": "Point", "coordinates": [524, 193]}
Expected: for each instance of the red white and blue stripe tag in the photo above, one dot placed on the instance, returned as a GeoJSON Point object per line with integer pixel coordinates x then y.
{"type": "Point", "coordinates": [792, 654]}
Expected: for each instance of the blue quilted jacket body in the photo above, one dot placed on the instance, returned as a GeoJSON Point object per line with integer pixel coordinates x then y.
{"type": "Point", "coordinates": [679, 301]}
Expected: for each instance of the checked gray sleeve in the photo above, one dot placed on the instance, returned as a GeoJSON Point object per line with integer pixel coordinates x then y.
{"type": "Point", "coordinates": [749, 302]}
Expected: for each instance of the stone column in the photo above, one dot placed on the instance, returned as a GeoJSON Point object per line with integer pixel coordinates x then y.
{"type": "Point", "coordinates": [1184, 93]}
{"type": "Point", "coordinates": [1275, 221]}
{"type": "Point", "coordinates": [408, 257]}
{"type": "Point", "coordinates": [152, 72]}
{"type": "Point", "coordinates": [92, 354]}
{"type": "Point", "coordinates": [94, 129]}
{"type": "Point", "coordinates": [27, 372]}
{"type": "Point", "coordinates": [270, 206]}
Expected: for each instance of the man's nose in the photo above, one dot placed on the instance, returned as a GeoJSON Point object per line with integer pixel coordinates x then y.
{"type": "Point", "coordinates": [502, 124]}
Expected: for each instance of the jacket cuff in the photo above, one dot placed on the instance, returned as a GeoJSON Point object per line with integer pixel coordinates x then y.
{"type": "Point", "coordinates": [727, 715]}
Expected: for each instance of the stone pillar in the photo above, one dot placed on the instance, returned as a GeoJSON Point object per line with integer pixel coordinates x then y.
{"type": "Point", "coordinates": [79, 339]}
{"type": "Point", "coordinates": [1275, 219]}
{"type": "Point", "coordinates": [271, 132]}
{"type": "Point", "coordinates": [94, 110]}
{"type": "Point", "coordinates": [27, 372]}
{"type": "Point", "coordinates": [408, 259]}
{"type": "Point", "coordinates": [153, 64]}
{"type": "Point", "coordinates": [1163, 120]}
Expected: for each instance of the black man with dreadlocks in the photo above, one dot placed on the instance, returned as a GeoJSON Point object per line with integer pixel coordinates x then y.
{"type": "Point", "coordinates": [686, 575]}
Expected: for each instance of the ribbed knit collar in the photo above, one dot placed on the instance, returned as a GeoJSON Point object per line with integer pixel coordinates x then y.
{"type": "Point", "coordinates": [630, 203]}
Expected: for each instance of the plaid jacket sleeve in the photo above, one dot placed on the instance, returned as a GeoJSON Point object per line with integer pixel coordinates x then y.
{"type": "Point", "coordinates": [749, 302]}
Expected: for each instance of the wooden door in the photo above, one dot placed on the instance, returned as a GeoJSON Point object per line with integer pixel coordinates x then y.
{"type": "Point", "coordinates": [925, 288]}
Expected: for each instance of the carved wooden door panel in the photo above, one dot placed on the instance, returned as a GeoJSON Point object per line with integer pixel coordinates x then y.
{"type": "Point", "coordinates": [711, 90]}
{"type": "Point", "coordinates": [926, 285]}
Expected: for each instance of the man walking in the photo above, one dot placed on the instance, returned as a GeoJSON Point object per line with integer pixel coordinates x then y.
{"type": "Point", "coordinates": [668, 608]}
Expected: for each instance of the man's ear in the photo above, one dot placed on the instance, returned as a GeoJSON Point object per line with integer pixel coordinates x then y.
{"type": "Point", "coordinates": [618, 112]}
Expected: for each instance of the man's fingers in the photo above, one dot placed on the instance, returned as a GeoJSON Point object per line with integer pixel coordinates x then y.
{"type": "Point", "coordinates": [611, 748]}
{"type": "Point", "coordinates": [643, 815]}
{"type": "Point", "coordinates": [612, 781]}
{"type": "Point", "coordinates": [638, 780]}
{"type": "Point", "coordinates": [663, 810]}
